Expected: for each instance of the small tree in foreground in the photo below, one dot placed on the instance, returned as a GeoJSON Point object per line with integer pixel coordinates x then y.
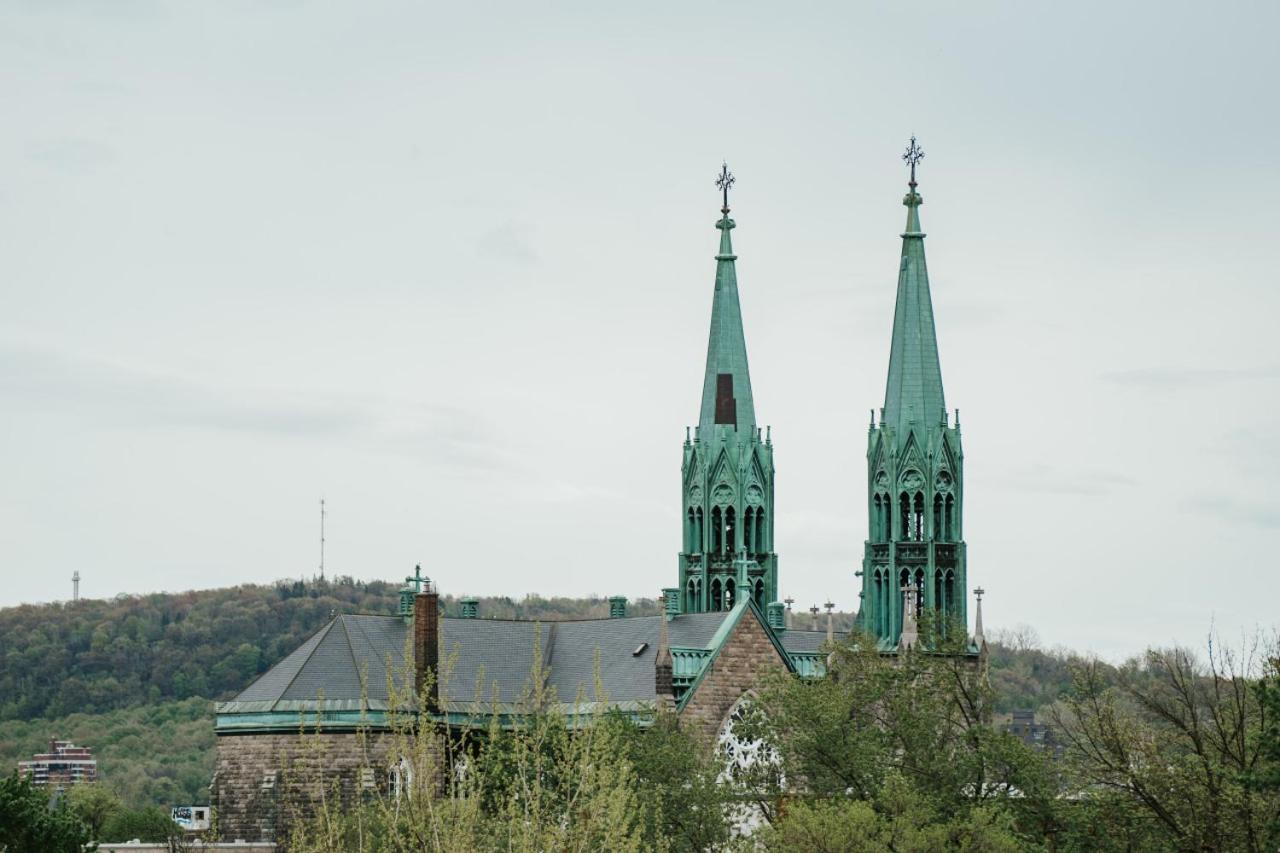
{"type": "Point", "coordinates": [29, 824]}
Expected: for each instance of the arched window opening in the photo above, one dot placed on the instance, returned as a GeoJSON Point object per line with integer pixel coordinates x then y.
{"type": "Point", "coordinates": [904, 509]}
{"type": "Point", "coordinates": [699, 541]}
{"type": "Point", "coordinates": [748, 529]}
{"type": "Point", "coordinates": [759, 594]}
{"type": "Point", "coordinates": [937, 517]}
{"type": "Point", "coordinates": [876, 512]}
{"type": "Point", "coordinates": [950, 512]}
{"type": "Point", "coordinates": [717, 531]}
{"type": "Point", "coordinates": [949, 593]}
{"type": "Point", "coordinates": [730, 596]}
{"type": "Point", "coordinates": [881, 598]}
{"type": "Point", "coordinates": [691, 597]}
{"type": "Point", "coordinates": [918, 517]}
{"type": "Point", "coordinates": [690, 533]}
{"type": "Point", "coordinates": [761, 547]}
{"type": "Point", "coordinates": [918, 581]}
{"type": "Point", "coordinates": [716, 600]}
{"type": "Point", "coordinates": [402, 779]}
{"type": "Point", "coordinates": [730, 528]}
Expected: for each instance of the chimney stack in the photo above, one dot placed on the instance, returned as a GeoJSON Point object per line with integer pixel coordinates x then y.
{"type": "Point", "coordinates": [663, 666]}
{"type": "Point", "coordinates": [426, 644]}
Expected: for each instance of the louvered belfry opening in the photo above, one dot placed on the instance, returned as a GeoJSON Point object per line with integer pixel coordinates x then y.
{"type": "Point", "coordinates": [726, 405]}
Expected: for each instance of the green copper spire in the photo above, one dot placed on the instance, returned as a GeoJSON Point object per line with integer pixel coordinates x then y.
{"type": "Point", "coordinates": [914, 559]}
{"type": "Point", "coordinates": [726, 389]}
{"type": "Point", "coordinates": [727, 471]}
{"type": "Point", "coordinates": [913, 393]}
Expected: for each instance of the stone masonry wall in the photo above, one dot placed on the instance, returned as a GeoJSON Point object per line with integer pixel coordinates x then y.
{"type": "Point", "coordinates": [746, 655]}
{"type": "Point", "coordinates": [263, 782]}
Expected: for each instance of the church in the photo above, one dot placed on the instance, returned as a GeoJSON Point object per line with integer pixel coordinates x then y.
{"type": "Point", "coordinates": [722, 622]}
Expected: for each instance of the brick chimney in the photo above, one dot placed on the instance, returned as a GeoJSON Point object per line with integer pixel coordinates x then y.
{"type": "Point", "coordinates": [426, 643]}
{"type": "Point", "coordinates": [663, 670]}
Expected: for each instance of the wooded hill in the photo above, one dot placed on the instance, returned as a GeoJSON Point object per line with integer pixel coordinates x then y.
{"type": "Point", "coordinates": [135, 677]}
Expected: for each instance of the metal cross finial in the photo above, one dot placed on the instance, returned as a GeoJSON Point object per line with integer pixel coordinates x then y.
{"type": "Point", "coordinates": [789, 601]}
{"type": "Point", "coordinates": [979, 592]}
{"type": "Point", "coordinates": [913, 156]}
{"type": "Point", "coordinates": [723, 182]}
{"type": "Point", "coordinates": [417, 580]}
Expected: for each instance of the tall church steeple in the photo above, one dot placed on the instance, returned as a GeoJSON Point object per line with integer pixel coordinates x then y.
{"type": "Point", "coordinates": [915, 464]}
{"type": "Point", "coordinates": [727, 472]}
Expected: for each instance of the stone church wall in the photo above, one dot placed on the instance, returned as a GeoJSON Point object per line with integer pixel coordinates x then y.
{"type": "Point", "coordinates": [264, 782]}
{"type": "Point", "coordinates": [745, 656]}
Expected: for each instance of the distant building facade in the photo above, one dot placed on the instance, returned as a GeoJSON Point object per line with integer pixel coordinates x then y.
{"type": "Point", "coordinates": [63, 765]}
{"type": "Point", "coordinates": [1023, 725]}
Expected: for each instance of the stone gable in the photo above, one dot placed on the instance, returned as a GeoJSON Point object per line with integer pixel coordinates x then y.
{"type": "Point", "coordinates": [745, 656]}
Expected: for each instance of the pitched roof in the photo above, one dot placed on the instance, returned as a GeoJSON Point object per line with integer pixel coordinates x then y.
{"type": "Point", "coordinates": [914, 387]}
{"type": "Point", "coordinates": [478, 657]}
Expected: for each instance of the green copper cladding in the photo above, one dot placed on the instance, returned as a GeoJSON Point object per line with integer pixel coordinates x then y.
{"type": "Point", "coordinates": [913, 392]}
{"type": "Point", "coordinates": [726, 387]}
{"type": "Point", "coordinates": [915, 463]}
{"type": "Point", "coordinates": [727, 470]}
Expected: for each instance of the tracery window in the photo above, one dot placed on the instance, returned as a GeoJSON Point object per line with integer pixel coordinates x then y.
{"type": "Point", "coordinates": [749, 761]}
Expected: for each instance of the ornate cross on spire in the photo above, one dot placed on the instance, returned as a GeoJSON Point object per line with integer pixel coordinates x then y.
{"type": "Point", "coordinates": [723, 182]}
{"type": "Point", "coordinates": [913, 156]}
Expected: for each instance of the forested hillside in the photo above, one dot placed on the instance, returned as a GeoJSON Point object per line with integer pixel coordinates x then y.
{"type": "Point", "coordinates": [135, 677]}
{"type": "Point", "coordinates": [99, 655]}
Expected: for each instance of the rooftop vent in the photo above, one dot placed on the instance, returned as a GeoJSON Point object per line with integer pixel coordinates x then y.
{"type": "Point", "coordinates": [639, 650]}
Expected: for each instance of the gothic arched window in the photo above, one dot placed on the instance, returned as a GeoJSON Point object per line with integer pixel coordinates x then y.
{"type": "Point", "coordinates": [717, 531]}
{"type": "Point", "coordinates": [877, 518]}
{"type": "Point", "coordinates": [918, 517]}
{"type": "Point", "coordinates": [759, 594]}
{"type": "Point", "coordinates": [730, 594]}
{"type": "Point", "coordinates": [950, 512]}
{"type": "Point", "coordinates": [938, 529]}
{"type": "Point", "coordinates": [748, 528]}
{"type": "Point", "coordinates": [730, 529]}
{"type": "Point", "coordinates": [904, 509]}
{"type": "Point", "coordinates": [761, 547]}
{"type": "Point", "coordinates": [691, 533]}
{"type": "Point", "coordinates": [716, 599]}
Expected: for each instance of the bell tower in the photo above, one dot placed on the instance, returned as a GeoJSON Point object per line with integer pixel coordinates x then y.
{"type": "Point", "coordinates": [727, 471]}
{"type": "Point", "coordinates": [915, 550]}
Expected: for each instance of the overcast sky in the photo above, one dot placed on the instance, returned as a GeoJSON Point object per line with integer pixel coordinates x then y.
{"type": "Point", "coordinates": [451, 266]}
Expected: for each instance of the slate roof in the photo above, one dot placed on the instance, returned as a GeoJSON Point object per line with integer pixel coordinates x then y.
{"type": "Point", "coordinates": [806, 641]}
{"type": "Point", "coordinates": [497, 654]}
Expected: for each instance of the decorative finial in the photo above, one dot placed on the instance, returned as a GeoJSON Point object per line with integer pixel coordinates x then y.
{"type": "Point", "coordinates": [913, 156]}
{"type": "Point", "coordinates": [418, 579]}
{"type": "Point", "coordinates": [723, 182]}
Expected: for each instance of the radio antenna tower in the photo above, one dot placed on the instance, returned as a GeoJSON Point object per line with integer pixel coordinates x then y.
{"type": "Point", "coordinates": [75, 585]}
{"type": "Point", "coordinates": [322, 539]}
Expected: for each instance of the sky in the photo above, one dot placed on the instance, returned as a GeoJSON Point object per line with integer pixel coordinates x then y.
{"type": "Point", "coordinates": [450, 267]}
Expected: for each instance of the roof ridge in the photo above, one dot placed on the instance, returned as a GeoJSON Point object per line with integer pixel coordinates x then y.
{"type": "Point", "coordinates": [362, 677]}
{"type": "Point", "coordinates": [320, 635]}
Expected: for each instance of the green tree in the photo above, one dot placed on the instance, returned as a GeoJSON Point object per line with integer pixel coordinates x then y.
{"type": "Point", "coordinates": [28, 824]}
{"type": "Point", "coordinates": [94, 803]}
{"type": "Point", "coordinates": [916, 724]}
{"type": "Point", "coordinates": [148, 824]}
{"type": "Point", "coordinates": [1175, 746]}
